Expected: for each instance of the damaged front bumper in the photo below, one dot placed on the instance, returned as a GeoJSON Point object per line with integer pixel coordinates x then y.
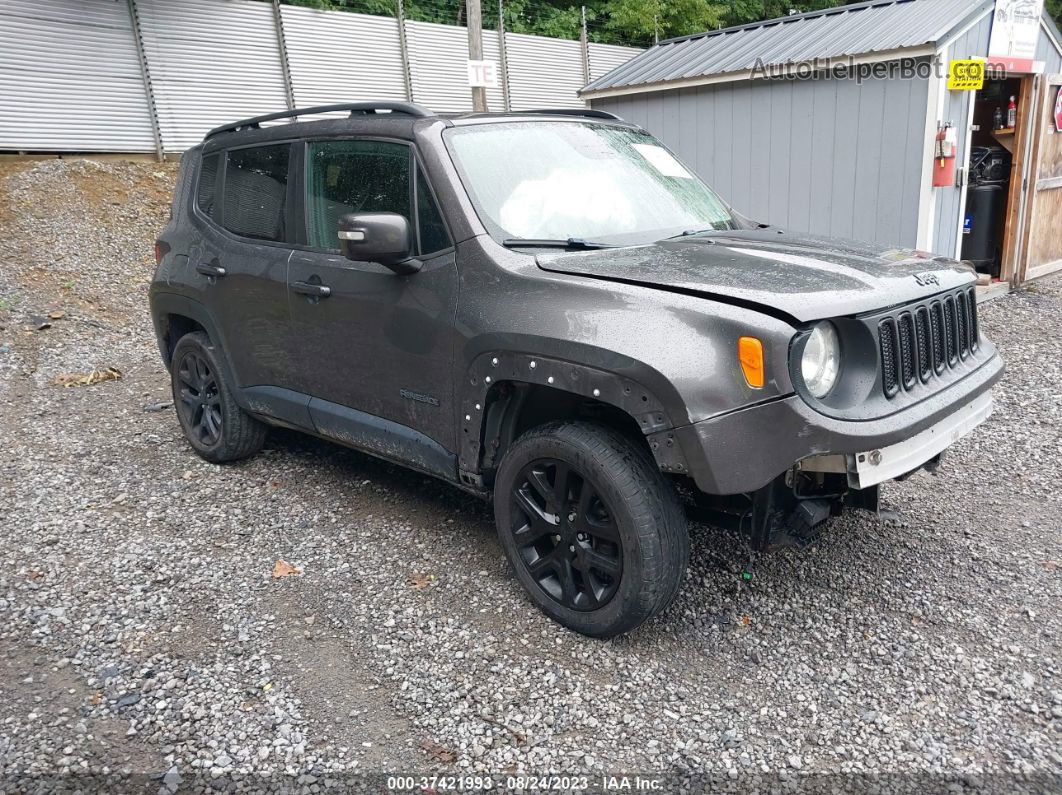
{"type": "Point", "coordinates": [745, 450]}
{"type": "Point", "coordinates": [871, 467]}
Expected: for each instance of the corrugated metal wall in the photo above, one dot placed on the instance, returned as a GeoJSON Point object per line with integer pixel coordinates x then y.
{"type": "Point", "coordinates": [437, 56]}
{"type": "Point", "coordinates": [70, 78]}
{"type": "Point", "coordinates": [543, 73]}
{"type": "Point", "coordinates": [606, 57]}
{"type": "Point", "coordinates": [210, 62]}
{"type": "Point", "coordinates": [948, 201]}
{"type": "Point", "coordinates": [831, 157]}
{"type": "Point", "coordinates": [342, 57]}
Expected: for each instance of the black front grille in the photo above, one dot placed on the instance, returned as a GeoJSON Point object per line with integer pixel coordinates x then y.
{"type": "Point", "coordinates": [950, 343]}
{"type": "Point", "coordinates": [939, 357]}
{"type": "Point", "coordinates": [965, 344]}
{"type": "Point", "coordinates": [924, 335]}
{"type": "Point", "coordinates": [887, 335]}
{"type": "Point", "coordinates": [927, 339]}
{"type": "Point", "coordinates": [905, 327]}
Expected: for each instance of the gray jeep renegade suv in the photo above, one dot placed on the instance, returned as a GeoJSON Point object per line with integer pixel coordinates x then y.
{"type": "Point", "coordinates": [550, 308]}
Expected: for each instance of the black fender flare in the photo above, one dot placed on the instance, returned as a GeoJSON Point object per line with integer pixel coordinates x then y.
{"type": "Point", "coordinates": [493, 367]}
{"type": "Point", "coordinates": [164, 304]}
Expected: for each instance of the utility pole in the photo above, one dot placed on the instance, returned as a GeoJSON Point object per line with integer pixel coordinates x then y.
{"type": "Point", "coordinates": [403, 49]}
{"type": "Point", "coordinates": [504, 56]}
{"type": "Point", "coordinates": [475, 50]}
{"type": "Point", "coordinates": [584, 42]}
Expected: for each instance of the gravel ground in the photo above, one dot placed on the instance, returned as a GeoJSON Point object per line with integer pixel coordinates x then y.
{"type": "Point", "coordinates": [144, 640]}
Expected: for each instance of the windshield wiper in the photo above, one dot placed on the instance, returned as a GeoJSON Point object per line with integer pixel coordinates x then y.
{"type": "Point", "coordinates": [576, 243]}
{"type": "Point", "coordinates": [719, 226]}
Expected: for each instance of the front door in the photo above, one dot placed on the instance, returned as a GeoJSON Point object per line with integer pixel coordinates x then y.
{"type": "Point", "coordinates": [378, 343]}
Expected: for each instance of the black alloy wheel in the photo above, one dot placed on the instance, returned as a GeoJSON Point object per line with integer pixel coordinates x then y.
{"type": "Point", "coordinates": [566, 535]}
{"type": "Point", "coordinates": [211, 419]}
{"type": "Point", "coordinates": [199, 399]}
{"type": "Point", "coordinates": [594, 531]}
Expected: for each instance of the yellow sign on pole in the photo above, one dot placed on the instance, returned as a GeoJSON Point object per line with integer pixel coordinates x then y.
{"type": "Point", "coordinates": [966, 75]}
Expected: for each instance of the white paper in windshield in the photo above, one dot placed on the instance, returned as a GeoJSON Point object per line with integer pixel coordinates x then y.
{"type": "Point", "coordinates": [662, 160]}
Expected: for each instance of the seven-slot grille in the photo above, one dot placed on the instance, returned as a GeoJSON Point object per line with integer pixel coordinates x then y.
{"type": "Point", "coordinates": [921, 342]}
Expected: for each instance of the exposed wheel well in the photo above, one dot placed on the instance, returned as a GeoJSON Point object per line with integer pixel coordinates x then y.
{"type": "Point", "coordinates": [514, 407]}
{"type": "Point", "coordinates": [174, 327]}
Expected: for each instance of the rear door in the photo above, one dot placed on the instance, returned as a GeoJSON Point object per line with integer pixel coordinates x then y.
{"type": "Point", "coordinates": [241, 266]}
{"type": "Point", "coordinates": [379, 343]}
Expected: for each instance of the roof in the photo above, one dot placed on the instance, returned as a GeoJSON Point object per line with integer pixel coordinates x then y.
{"type": "Point", "coordinates": [874, 27]}
{"type": "Point", "coordinates": [398, 118]}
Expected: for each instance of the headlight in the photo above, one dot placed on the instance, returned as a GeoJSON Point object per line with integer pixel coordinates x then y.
{"type": "Point", "coordinates": [821, 360]}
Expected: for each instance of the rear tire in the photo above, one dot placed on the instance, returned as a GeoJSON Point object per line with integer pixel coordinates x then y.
{"type": "Point", "coordinates": [595, 533]}
{"type": "Point", "coordinates": [216, 427]}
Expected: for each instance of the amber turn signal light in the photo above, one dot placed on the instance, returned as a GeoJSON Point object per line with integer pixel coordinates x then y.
{"type": "Point", "coordinates": [750, 354]}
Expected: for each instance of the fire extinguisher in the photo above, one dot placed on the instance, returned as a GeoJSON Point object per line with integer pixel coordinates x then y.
{"type": "Point", "coordinates": [944, 157]}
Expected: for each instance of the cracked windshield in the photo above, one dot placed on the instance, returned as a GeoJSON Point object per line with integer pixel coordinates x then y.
{"type": "Point", "coordinates": [576, 180]}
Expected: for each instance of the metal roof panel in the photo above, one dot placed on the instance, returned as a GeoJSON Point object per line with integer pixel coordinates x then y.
{"type": "Point", "coordinates": [876, 26]}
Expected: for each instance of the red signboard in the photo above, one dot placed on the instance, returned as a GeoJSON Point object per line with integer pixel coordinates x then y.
{"type": "Point", "coordinates": [1012, 66]}
{"type": "Point", "coordinates": [1058, 110]}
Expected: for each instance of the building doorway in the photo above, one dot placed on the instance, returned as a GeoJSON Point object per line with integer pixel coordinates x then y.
{"type": "Point", "coordinates": [994, 174]}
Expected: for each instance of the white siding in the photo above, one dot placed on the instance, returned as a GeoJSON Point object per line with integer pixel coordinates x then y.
{"type": "Point", "coordinates": [438, 63]}
{"type": "Point", "coordinates": [210, 62]}
{"type": "Point", "coordinates": [70, 75]}
{"type": "Point", "coordinates": [70, 78]}
{"type": "Point", "coordinates": [606, 57]}
{"type": "Point", "coordinates": [543, 72]}
{"type": "Point", "coordinates": [336, 56]}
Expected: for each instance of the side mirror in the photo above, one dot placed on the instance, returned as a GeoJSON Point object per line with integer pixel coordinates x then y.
{"type": "Point", "coordinates": [385, 238]}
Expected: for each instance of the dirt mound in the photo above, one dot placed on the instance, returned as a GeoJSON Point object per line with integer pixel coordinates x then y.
{"type": "Point", "coordinates": [81, 232]}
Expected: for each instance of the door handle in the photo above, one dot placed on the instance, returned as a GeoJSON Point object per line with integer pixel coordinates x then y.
{"type": "Point", "coordinates": [212, 268]}
{"type": "Point", "coordinates": [312, 290]}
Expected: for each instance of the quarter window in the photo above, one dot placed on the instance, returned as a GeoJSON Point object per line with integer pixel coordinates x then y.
{"type": "Point", "coordinates": [208, 177]}
{"type": "Point", "coordinates": [256, 181]}
{"type": "Point", "coordinates": [433, 235]}
{"type": "Point", "coordinates": [353, 177]}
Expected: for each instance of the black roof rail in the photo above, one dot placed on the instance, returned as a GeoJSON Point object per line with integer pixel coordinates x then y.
{"type": "Point", "coordinates": [355, 108]}
{"type": "Point", "coordinates": [589, 113]}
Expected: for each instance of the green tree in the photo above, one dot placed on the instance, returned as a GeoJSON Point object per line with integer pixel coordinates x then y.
{"type": "Point", "coordinates": [1054, 8]}
{"type": "Point", "coordinates": [661, 19]}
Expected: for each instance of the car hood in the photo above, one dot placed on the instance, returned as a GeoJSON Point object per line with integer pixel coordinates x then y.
{"type": "Point", "coordinates": [802, 277]}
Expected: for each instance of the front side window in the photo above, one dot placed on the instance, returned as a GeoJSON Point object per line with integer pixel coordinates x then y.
{"type": "Point", "coordinates": [560, 180]}
{"type": "Point", "coordinates": [353, 177]}
{"type": "Point", "coordinates": [256, 184]}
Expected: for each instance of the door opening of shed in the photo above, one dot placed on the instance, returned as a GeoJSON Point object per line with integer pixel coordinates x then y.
{"type": "Point", "coordinates": [997, 133]}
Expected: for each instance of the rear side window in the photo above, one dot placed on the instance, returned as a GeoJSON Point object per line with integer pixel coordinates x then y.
{"type": "Point", "coordinates": [433, 234]}
{"type": "Point", "coordinates": [256, 186]}
{"type": "Point", "coordinates": [208, 178]}
{"type": "Point", "coordinates": [353, 177]}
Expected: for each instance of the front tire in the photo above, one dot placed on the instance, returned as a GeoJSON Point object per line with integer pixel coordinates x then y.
{"type": "Point", "coordinates": [595, 533]}
{"type": "Point", "coordinates": [216, 427]}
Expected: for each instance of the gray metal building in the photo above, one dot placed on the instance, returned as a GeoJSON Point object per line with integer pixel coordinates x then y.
{"type": "Point", "coordinates": [850, 152]}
